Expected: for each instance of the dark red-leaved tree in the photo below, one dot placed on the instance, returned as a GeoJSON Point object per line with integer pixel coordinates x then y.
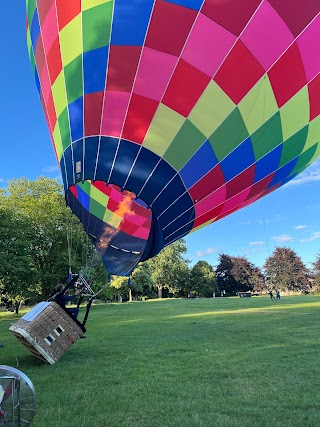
{"type": "Point", "coordinates": [285, 270]}
{"type": "Point", "coordinates": [237, 274]}
{"type": "Point", "coordinates": [316, 274]}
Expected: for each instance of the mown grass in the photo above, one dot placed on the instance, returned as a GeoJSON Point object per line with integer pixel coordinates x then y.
{"type": "Point", "coordinates": [185, 363]}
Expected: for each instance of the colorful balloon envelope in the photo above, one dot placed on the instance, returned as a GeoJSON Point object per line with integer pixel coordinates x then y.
{"type": "Point", "coordinates": [168, 115]}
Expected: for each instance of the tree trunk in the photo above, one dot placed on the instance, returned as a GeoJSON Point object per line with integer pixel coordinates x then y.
{"type": "Point", "coordinates": [18, 306]}
{"type": "Point", "coordinates": [160, 291]}
{"type": "Point", "coordinates": [130, 295]}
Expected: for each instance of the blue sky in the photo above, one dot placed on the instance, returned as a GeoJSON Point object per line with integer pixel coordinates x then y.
{"type": "Point", "coordinates": [287, 217]}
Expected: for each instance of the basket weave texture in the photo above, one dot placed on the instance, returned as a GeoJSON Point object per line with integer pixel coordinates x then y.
{"type": "Point", "coordinates": [47, 331]}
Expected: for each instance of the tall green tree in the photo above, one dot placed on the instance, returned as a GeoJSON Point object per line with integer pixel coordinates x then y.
{"type": "Point", "coordinates": [141, 281]}
{"type": "Point", "coordinates": [17, 271]}
{"type": "Point", "coordinates": [94, 270]}
{"type": "Point", "coordinates": [285, 270]}
{"type": "Point", "coordinates": [169, 269]}
{"type": "Point", "coordinates": [51, 226]}
{"type": "Point", "coordinates": [203, 281]}
{"type": "Point", "coordinates": [120, 286]}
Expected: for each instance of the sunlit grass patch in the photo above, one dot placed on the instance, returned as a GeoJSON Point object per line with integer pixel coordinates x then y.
{"type": "Point", "coordinates": [275, 308]}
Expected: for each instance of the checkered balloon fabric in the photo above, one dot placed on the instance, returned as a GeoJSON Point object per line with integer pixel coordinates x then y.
{"type": "Point", "coordinates": [167, 115]}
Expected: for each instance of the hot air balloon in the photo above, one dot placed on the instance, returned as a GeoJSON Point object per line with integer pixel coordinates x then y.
{"type": "Point", "coordinates": [168, 115]}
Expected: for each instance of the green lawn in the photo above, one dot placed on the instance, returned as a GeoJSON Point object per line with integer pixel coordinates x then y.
{"type": "Point", "coordinates": [185, 363]}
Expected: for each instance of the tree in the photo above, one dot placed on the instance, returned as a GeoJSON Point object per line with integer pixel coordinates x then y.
{"type": "Point", "coordinates": [285, 271]}
{"type": "Point", "coordinates": [96, 272]}
{"type": "Point", "coordinates": [16, 267]}
{"type": "Point", "coordinates": [225, 280]}
{"type": "Point", "coordinates": [50, 223]}
{"type": "Point", "coordinates": [203, 281]}
{"type": "Point", "coordinates": [237, 274]}
{"type": "Point", "coordinates": [316, 273]}
{"type": "Point", "coordinates": [258, 280]}
{"type": "Point", "coordinates": [120, 285]}
{"type": "Point", "coordinates": [247, 274]}
{"type": "Point", "coordinates": [141, 282]}
{"type": "Point", "coordinates": [169, 269]}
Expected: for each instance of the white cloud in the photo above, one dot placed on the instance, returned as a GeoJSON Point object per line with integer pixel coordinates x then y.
{"type": "Point", "coordinates": [283, 238]}
{"type": "Point", "coordinates": [300, 227]}
{"type": "Point", "coordinates": [276, 218]}
{"type": "Point", "coordinates": [257, 250]}
{"type": "Point", "coordinates": [51, 169]}
{"type": "Point", "coordinates": [205, 252]}
{"type": "Point", "coordinates": [313, 206]}
{"type": "Point", "coordinates": [311, 174]}
{"type": "Point", "coordinates": [256, 243]}
{"type": "Point", "coordinates": [314, 236]}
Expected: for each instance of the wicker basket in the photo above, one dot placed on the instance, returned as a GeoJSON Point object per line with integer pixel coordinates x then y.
{"type": "Point", "coordinates": [48, 331]}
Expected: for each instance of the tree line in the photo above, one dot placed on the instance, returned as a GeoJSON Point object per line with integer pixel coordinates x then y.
{"type": "Point", "coordinates": [40, 238]}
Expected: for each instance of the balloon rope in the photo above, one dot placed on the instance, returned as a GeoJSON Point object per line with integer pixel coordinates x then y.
{"type": "Point", "coordinates": [92, 298]}
{"type": "Point", "coordinates": [69, 239]}
{"type": "Point", "coordinates": [261, 203]}
{"type": "Point", "coordinates": [265, 228]}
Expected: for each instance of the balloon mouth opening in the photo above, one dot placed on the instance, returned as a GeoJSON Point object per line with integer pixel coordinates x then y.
{"type": "Point", "coordinates": [125, 213]}
{"type": "Point", "coordinates": [121, 226]}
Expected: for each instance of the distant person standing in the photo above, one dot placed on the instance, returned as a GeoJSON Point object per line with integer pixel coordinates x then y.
{"type": "Point", "coordinates": [277, 294]}
{"type": "Point", "coordinates": [271, 295]}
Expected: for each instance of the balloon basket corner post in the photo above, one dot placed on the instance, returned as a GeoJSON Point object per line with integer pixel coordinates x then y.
{"type": "Point", "coordinates": [47, 331]}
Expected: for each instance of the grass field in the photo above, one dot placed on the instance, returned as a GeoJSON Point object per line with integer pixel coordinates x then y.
{"type": "Point", "coordinates": [185, 363]}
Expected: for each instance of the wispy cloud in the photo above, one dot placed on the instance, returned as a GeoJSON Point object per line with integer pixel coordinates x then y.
{"type": "Point", "coordinates": [51, 169]}
{"type": "Point", "coordinates": [283, 238]}
{"type": "Point", "coordinates": [313, 206]}
{"type": "Point", "coordinates": [276, 218]}
{"type": "Point", "coordinates": [314, 236]}
{"type": "Point", "coordinates": [261, 221]}
{"type": "Point", "coordinates": [257, 249]}
{"type": "Point", "coordinates": [256, 243]}
{"type": "Point", "coordinates": [312, 174]}
{"type": "Point", "coordinates": [300, 227]}
{"type": "Point", "coordinates": [205, 252]}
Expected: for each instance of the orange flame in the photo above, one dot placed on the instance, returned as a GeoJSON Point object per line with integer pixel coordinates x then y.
{"type": "Point", "coordinates": [124, 209]}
